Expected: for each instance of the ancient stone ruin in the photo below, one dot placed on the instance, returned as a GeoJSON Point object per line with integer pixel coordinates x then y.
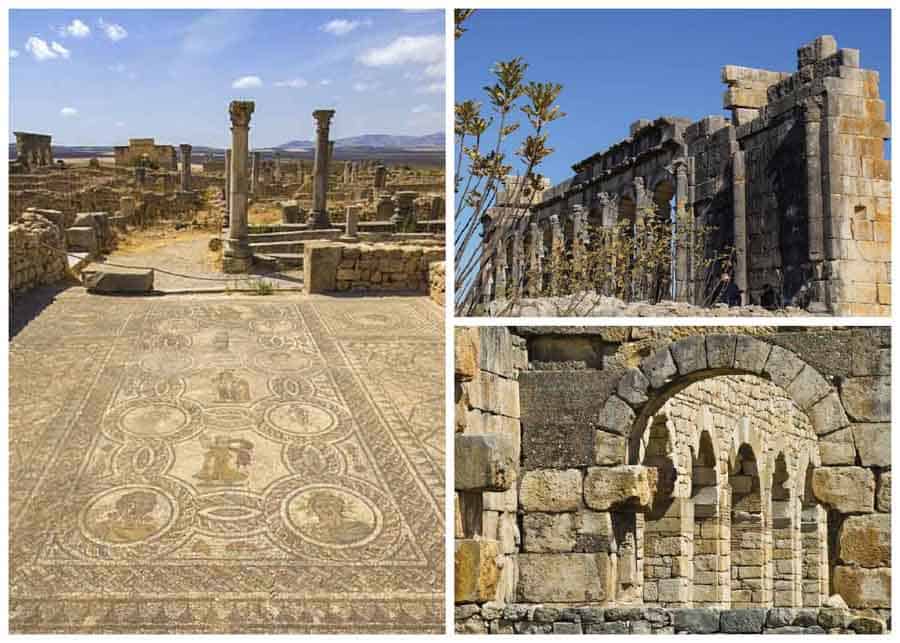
{"type": "Point", "coordinates": [794, 190]}
{"type": "Point", "coordinates": [32, 150]}
{"type": "Point", "coordinates": [145, 151]}
{"type": "Point", "coordinates": [642, 480]}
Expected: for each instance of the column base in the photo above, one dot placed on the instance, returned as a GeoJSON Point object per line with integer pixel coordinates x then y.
{"type": "Point", "coordinates": [237, 257]}
{"type": "Point", "coordinates": [319, 219]}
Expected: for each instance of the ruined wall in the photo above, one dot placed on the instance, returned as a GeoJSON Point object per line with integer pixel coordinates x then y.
{"type": "Point", "coordinates": [363, 267]}
{"type": "Point", "coordinates": [794, 191]}
{"type": "Point", "coordinates": [31, 262]}
{"type": "Point", "coordinates": [162, 156]}
{"type": "Point", "coordinates": [437, 285]}
{"type": "Point", "coordinates": [685, 468]}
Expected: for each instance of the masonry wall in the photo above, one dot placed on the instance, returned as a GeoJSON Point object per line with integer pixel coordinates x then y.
{"type": "Point", "coordinates": [31, 262]}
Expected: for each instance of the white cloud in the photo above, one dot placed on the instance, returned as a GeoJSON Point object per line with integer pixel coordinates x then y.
{"type": "Point", "coordinates": [364, 87]}
{"type": "Point", "coordinates": [76, 29]}
{"type": "Point", "coordinates": [433, 88]}
{"type": "Point", "coordinates": [340, 27]}
{"type": "Point", "coordinates": [68, 111]}
{"type": "Point", "coordinates": [13, 53]}
{"type": "Point", "coordinates": [42, 51]}
{"type": "Point", "coordinates": [420, 109]}
{"type": "Point", "coordinates": [435, 71]}
{"type": "Point", "coordinates": [112, 30]}
{"type": "Point", "coordinates": [324, 82]}
{"type": "Point", "coordinates": [406, 49]}
{"type": "Point", "coordinates": [293, 83]}
{"type": "Point", "coordinates": [247, 82]}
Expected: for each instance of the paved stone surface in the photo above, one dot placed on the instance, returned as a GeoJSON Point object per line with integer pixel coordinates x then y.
{"type": "Point", "coordinates": [227, 464]}
{"type": "Point", "coordinates": [190, 257]}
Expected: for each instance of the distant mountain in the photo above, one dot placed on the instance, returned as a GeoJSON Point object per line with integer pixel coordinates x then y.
{"type": "Point", "coordinates": [385, 141]}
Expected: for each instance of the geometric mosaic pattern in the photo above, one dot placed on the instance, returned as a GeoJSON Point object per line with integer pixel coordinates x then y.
{"type": "Point", "coordinates": [227, 464]}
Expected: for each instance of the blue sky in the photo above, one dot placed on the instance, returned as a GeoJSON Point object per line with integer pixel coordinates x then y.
{"type": "Point", "coordinates": [100, 77]}
{"type": "Point", "coordinates": [617, 66]}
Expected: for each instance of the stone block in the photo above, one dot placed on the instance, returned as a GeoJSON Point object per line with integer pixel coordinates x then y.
{"type": "Point", "coordinates": [496, 351]}
{"type": "Point", "coordinates": [720, 351]}
{"type": "Point", "coordinates": [742, 621]}
{"type": "Point", "coordinates": [659, 368]}
{"type": "Point", "coordinates": [883, 494]}
{"type": "Point", "coordinates": [545, 532]}
{"type": "Point", "coordinates": [616, 416]}
{"type": "Point", "coordinates": [873, 443]}
{"type": "Point", "coordinates": [565, 578]}
{"type": "Point", "coordinates": [624, 487]}
{"type": "Point", "coordinates": [828, 415]}
{"type": "Point", "coordinates": [475, 570]}
{"type": "Point", "coordinates": [863, 588]}
{"type": "Point", "coordinates": [633, 387]}
{"type": "Point", "coordinates": [609, 449]}
{"type": "Point", "coordinates": [566, 628]}
{"type": "Point", "coordinates": [808, 387]}
{"type": "Point", "coordinates": [867, 399]}
{"type": "Point", "coordinates": [751, 354]}
{"type": "Point", "coordinates": [696, 620]}
{"type": "Point", "coordinates": [782, 366]}
{"type": "Point", "coordinates": [82, 239]}
{"type": "Point", "coordinates": [593, 531]}
{"type": "Point", "coordinates": [495, 394]}
{"type": "Point", "coordinates": [112, 281]}
{"type": "Point", "coordinates": [846, 489]}
{"type": "Point", "coordinates": [689, 354]}
{"type": "Point", "coordinates": [485, 462]}
{"type": "Point", "coordinates": [866, 540]}
{"type": "Point", "coordinates": [320, 265]}
{"type": "Point", "coordinates": [557, 446]}
{"type": "Point", "coordinates": [465, 351]}
{"type": "Point", "coordinates": [837, 448]}
{"type": "Point", "coordinates": [551, 490]}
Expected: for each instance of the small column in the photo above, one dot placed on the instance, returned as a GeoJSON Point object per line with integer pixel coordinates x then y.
{"type": "Point", "coordinates": [380, 176]}
{"type": "Point", "coordinates": [320, 170]}
{"type": "Point", "coordinates": [227, 188]}
{"type": "Point", "coordinates": [185, 167]}
{"type": "Point", "coordinates": [254, 177]}
{"type": "Point", "coordinates": [739, 185]}
{"type": "Point", "coordinates": [535, 260]}
{"type": "Point", "coordinates": [351, 233]}
{"type": "Point", "coordinates": [348, 173]}
{"type": "Point", "coordinates": [683, 231]}
{"type": "Point", "coordinates": [237, 256]}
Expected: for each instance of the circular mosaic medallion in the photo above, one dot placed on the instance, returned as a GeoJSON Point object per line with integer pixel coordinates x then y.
{"type": "Point", "coordinates": [300, 418]}
{"type": "Point", "coordinates": [331, 516]}
{"type": "Point", "coordinates": [281, 361]}
{"type": "Point", "coordinates": [128, 515]}
{"type": "Point", "coordinates": [177, 326]}
{"type": "Point", "coordinates": [154, 420]}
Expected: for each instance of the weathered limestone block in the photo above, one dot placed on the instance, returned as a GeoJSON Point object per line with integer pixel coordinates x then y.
{"type": "Point", "coordinates": [496, 351]}
{"type": "Point", "coordinates": [742, 621]}
{"type": "Point", "coordinates": [750, 354]}
{"type": "Point", "coordinates": [883, 494]}
{"type": "Point", "coordinates": [659, 368]}
{"type": "Point", "coordinates": [475, 570]}
{"type": "Point", "coordinates": [808, 387]}
{"type": "Point", "coordinates": [320, 265]}
{"type": "Point", "coordinates": [616, 416]}
{"type": "Point", "coordinates": [837, 448]}
{"type": "Point", "coordinates": [111, 280]}
{"type": "Point", "coordinates": [697, 620]}
{"type": "Point", "coordinates": [866, 540]}
{"type": "Point", "coordinates": [466, 343]}
{"type": "Point", "coordinates": [558, 445]}
{"type": "Point", "coordinates": [689, 354]}
{"type": "Point", "coordinates": [495, 394]}
{"type": "Point", "coordinates": [720, 351]}
{"type": "Point", "coordinates": [828, 415]}
{"type": "Point", "coordinates": [873, 442]}
{"type": "Point", "coordinates": [633, 387]}
{"type": "Point", "coordinates": [82, 239]}
{"type": "Point", "coordinates": [609, 449]}
{"type": "Point", "coordinates": [863, 588]}
{"type": "Point", "coordinates": [551, 490]}
{"type": "Point", "coordinates": [545, 532]}
{"type": "Point", "coordinates": [867, 399]}
{"type": "Point", "coordinates": [594, 531]}
{"type": "Point", "coordinates": [627, 486]}
{"type": "Point", "coordinates": [565, 578]}
{"type": "Point", "coordinates": [485, 462]}
{"type": "Point", "coordinates": [846, 489]}
{"type": "Point", "coordinates": [783, 366]}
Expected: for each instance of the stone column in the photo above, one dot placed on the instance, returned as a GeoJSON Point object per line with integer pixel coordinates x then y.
{"type": "Point", "coordinates": [277, 167]}
{"type": "Point", "coordinates": [254, 177]}
{"type": "Point", "coordinates": [535, 267]}
{"type": "Point", "coordinates": [348, 173]}
{"type": "Point", "coordinates": [351, 233]}
{"type": "Point", "coordinates": [682, 230]}
{"type": "Point", "coordinates": [320, 169]}
{"type": "Point", "coordinates": [237, 256]}
{"type": "Point", "coordinates": [380, 176]}
{"type": "Point", "coordinates": [812, 121]}
{"type": "Point", "coordinates": [126, 208]}
{"type": "Point", "coordinates": [185, 167]}
{"type": "Point", "coordinates": [739, 205]}
{"type": "Point", "coordinates": [405, 211]}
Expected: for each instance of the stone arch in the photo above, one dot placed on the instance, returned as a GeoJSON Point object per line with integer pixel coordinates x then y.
{"type": "Point", "coordinates": [640, 393]}
{"type": "Point", "coordinates": [663, 196]}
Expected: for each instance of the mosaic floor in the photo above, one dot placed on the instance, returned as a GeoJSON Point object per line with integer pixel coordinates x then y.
{"type": "Point", "coordinates": [227, 464]}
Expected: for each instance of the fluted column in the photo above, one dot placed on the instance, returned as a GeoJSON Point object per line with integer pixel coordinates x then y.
{"type": "Point", "coordinates": [237, 247]}
{"type": "Point", "coordinates": [320, 171]}
{"type": "Point", "coordinates": [185, 167]}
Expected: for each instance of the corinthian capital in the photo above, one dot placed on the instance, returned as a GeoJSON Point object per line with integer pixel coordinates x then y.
{"type": "Point", "coordinates": [240, 111]}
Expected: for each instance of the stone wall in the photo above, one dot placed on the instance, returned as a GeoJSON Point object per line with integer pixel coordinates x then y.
{"type": "Point", "coordinates": [795, 185]}
{"type": "Point", "coordinates": [437, 282]}
{"type": "Point", "coordinates": [162, 156]}
{"type": "Point", "coordinates": [496, 618]}
{"type": "Point", "coordinates": [331, 266]}
{"type": "Point", "coordinates": [30, 263]}
{"type": "Point", "coordinates": [688, 467]}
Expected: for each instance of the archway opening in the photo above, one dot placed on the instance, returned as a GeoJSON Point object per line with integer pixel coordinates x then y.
{"type": "Point", "coordinates": [748, 527]}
